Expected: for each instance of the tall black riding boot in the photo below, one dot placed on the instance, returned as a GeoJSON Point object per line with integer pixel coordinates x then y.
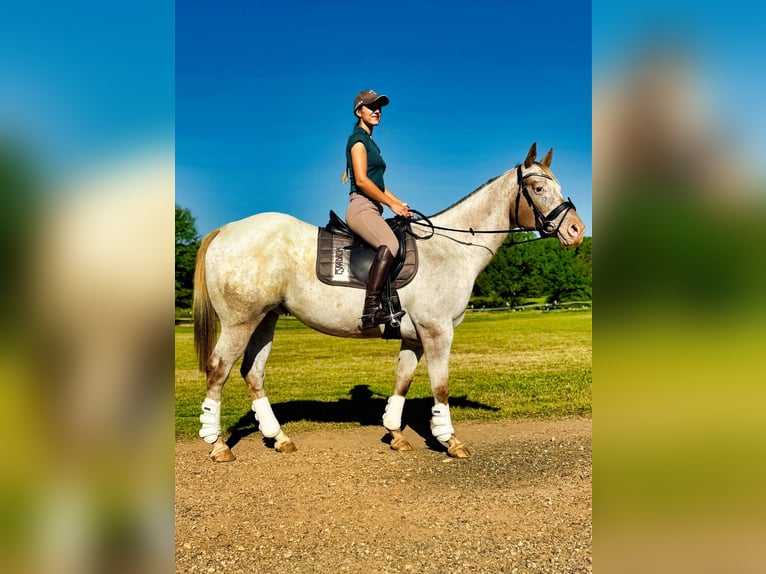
{"type": "Point", "coordinates": [374, 313]}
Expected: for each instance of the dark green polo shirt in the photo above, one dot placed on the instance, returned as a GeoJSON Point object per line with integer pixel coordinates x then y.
{"type": "Point", "coordinates": [375, 164]}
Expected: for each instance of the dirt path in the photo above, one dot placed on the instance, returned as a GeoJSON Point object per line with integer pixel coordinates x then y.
{"type": "Point", "coordinates": [345, 502]}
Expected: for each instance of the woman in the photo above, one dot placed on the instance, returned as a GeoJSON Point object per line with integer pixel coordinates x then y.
{"type": "Point", "coordinates": [365, 167]}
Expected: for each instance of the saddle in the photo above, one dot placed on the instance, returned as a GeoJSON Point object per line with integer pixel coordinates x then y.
{"type": "Point", "coordinates": [344, 258]}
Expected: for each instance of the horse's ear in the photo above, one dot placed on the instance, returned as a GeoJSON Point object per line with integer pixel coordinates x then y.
{"type": "Point", "coordinates": [531, 155]}
{"type": "Point", "coordinates": [547, 159]}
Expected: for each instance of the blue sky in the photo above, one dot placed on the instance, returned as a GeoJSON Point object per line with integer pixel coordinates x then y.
{"type": "Point", "coordinates": [260, 92]}
{"type": "Point", "coordinates": [264, 94]}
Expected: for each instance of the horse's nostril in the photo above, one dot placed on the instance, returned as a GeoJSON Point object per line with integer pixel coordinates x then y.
{"type": "Point", "coordinates": [574, 230]}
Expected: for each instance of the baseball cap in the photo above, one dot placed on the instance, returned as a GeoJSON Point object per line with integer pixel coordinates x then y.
{"type": "Point", "coordinates": [369, 97]}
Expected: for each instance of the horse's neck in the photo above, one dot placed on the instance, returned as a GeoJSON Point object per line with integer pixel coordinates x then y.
{"type": "Point", "coordinates": [485, 209]}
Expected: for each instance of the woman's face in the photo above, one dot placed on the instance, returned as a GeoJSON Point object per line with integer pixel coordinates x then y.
{"type": "Point", "coordinates": [370, 115]}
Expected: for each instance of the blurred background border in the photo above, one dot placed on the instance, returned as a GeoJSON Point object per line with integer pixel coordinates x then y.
{"type": "Point", "coordinates": [86, 181]}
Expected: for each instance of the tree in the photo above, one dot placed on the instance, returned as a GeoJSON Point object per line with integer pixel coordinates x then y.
{"type": "Point", "coordinates": [536, 269]}
{"type": "Point", "coordinates": [187, 243]}
{"type": "Point", "coordinates": [569, 274]}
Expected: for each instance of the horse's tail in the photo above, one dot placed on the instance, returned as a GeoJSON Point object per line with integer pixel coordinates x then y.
{"type": "Point", "coordinates": [204, 313]}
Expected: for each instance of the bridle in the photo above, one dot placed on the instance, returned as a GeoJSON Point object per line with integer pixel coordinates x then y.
{"type": "Point", "coordinates": [544, 224]}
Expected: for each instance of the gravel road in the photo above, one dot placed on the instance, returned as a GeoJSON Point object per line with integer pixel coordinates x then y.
{"type": "Point", "coordinates": [345, 502]}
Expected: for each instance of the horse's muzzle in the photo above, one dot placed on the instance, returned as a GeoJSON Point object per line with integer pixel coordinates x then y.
{"type": "Point", "coordinates": [572, 229]}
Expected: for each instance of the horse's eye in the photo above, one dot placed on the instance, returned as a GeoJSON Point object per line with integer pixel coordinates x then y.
{"type": "Point", "coordinates": [539, 189]}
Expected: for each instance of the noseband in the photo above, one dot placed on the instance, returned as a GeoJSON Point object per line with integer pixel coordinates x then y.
{"type": "Point", "coordinates": [544, 224]}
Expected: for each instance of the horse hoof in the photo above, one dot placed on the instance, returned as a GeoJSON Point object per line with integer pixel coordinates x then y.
{"type": "Point", "coordinates": [222, 455]}
{"type": "Point", "coordinates": [457, 449]}
{"type": "Point", "coordinates": [400, 444]}
{"type": "Point", "coordinates": [221, 451]}
{"type": "Point", "coordinates": [287, 446]}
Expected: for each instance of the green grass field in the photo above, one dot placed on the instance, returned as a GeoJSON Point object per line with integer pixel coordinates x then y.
{"type": "Point", "coordinates": [504, 365]}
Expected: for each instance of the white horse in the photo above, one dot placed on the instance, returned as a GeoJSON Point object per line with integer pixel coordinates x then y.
{"type": "Point", "coordinates": [250, 271]}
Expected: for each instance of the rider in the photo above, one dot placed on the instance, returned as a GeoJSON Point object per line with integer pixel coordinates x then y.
{"type": "Point", "coordinates": [365, 167]}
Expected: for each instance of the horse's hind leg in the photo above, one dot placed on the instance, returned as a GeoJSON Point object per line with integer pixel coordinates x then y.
{"type": "Point", "coordinates": [230, 346]}
{"type": "Point", "coordinates": [253, 370]}
{"type": "Point", "coordinates": [409, 356]}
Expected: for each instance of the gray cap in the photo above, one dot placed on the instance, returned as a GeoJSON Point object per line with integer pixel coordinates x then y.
{"type": "Point", "coordinates": [369, 97]}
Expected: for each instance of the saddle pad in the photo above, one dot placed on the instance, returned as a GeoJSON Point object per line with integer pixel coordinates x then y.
{"type": "Point", "coordinates": [334, 260]}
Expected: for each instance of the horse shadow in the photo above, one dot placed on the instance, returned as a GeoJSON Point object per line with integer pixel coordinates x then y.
{"type": "Point", "coordinates": [363, 407]}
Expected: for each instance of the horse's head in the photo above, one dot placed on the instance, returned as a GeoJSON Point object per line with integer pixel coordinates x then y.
{"type": "Point", "coordinates": [541, 206]}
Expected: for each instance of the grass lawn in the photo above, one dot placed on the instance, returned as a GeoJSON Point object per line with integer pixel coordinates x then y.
{"type": "Point", "coordinates": [504, 365]}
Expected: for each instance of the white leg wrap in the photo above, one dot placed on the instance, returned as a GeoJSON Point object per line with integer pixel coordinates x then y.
{"type": "Point", "coordinates": [392, 417]}
{"type": "Point", "coordinates": [441, 423]}
{"type": "Point", "coordinates": [211, 420]}
{"type": "Point", "coordinates": [267, 422]}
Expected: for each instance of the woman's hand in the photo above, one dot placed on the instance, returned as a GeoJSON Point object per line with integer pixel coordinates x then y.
{"type": "Point", "coordinates": [401, 208]}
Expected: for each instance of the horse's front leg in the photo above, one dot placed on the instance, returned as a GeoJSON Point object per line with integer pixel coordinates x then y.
{"type": "Point", "coordinates": [437, 342]}
{"type": "Point", "coordinates": [409, 355]}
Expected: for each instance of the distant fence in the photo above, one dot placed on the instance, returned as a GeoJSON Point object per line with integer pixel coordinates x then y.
{"type": "Point", "coordinates": [544, 307]}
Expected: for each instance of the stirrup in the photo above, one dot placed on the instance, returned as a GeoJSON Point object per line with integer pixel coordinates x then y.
{"type": "Point", "coordinates": [393, 314]}
{"type": "Point", "coordinates": [393, 318]}
{"type": "Point", "coordinates": [373, 319]}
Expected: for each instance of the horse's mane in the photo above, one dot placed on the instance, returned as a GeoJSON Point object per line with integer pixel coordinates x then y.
{"type": "Point", "coordinates": [545, 169]}
{"type": "Point", "coordinates": [467, 197]}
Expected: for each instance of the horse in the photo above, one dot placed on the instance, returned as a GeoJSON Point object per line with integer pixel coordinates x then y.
{"type": "Point", "coordinates": [251, 271]}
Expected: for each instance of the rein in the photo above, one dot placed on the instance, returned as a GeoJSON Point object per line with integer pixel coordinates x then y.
{"type": "Point", "coordinates": [543, 223]}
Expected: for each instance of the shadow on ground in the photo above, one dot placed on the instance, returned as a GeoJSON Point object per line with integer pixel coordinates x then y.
{"type": "Point", "coordinates": [364, 408]}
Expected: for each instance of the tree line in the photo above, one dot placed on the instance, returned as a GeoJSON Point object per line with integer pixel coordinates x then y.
{"type": "Point", "coordinates": [524, 269]}
{"type": "Point", "coordinates": [521, 270]}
